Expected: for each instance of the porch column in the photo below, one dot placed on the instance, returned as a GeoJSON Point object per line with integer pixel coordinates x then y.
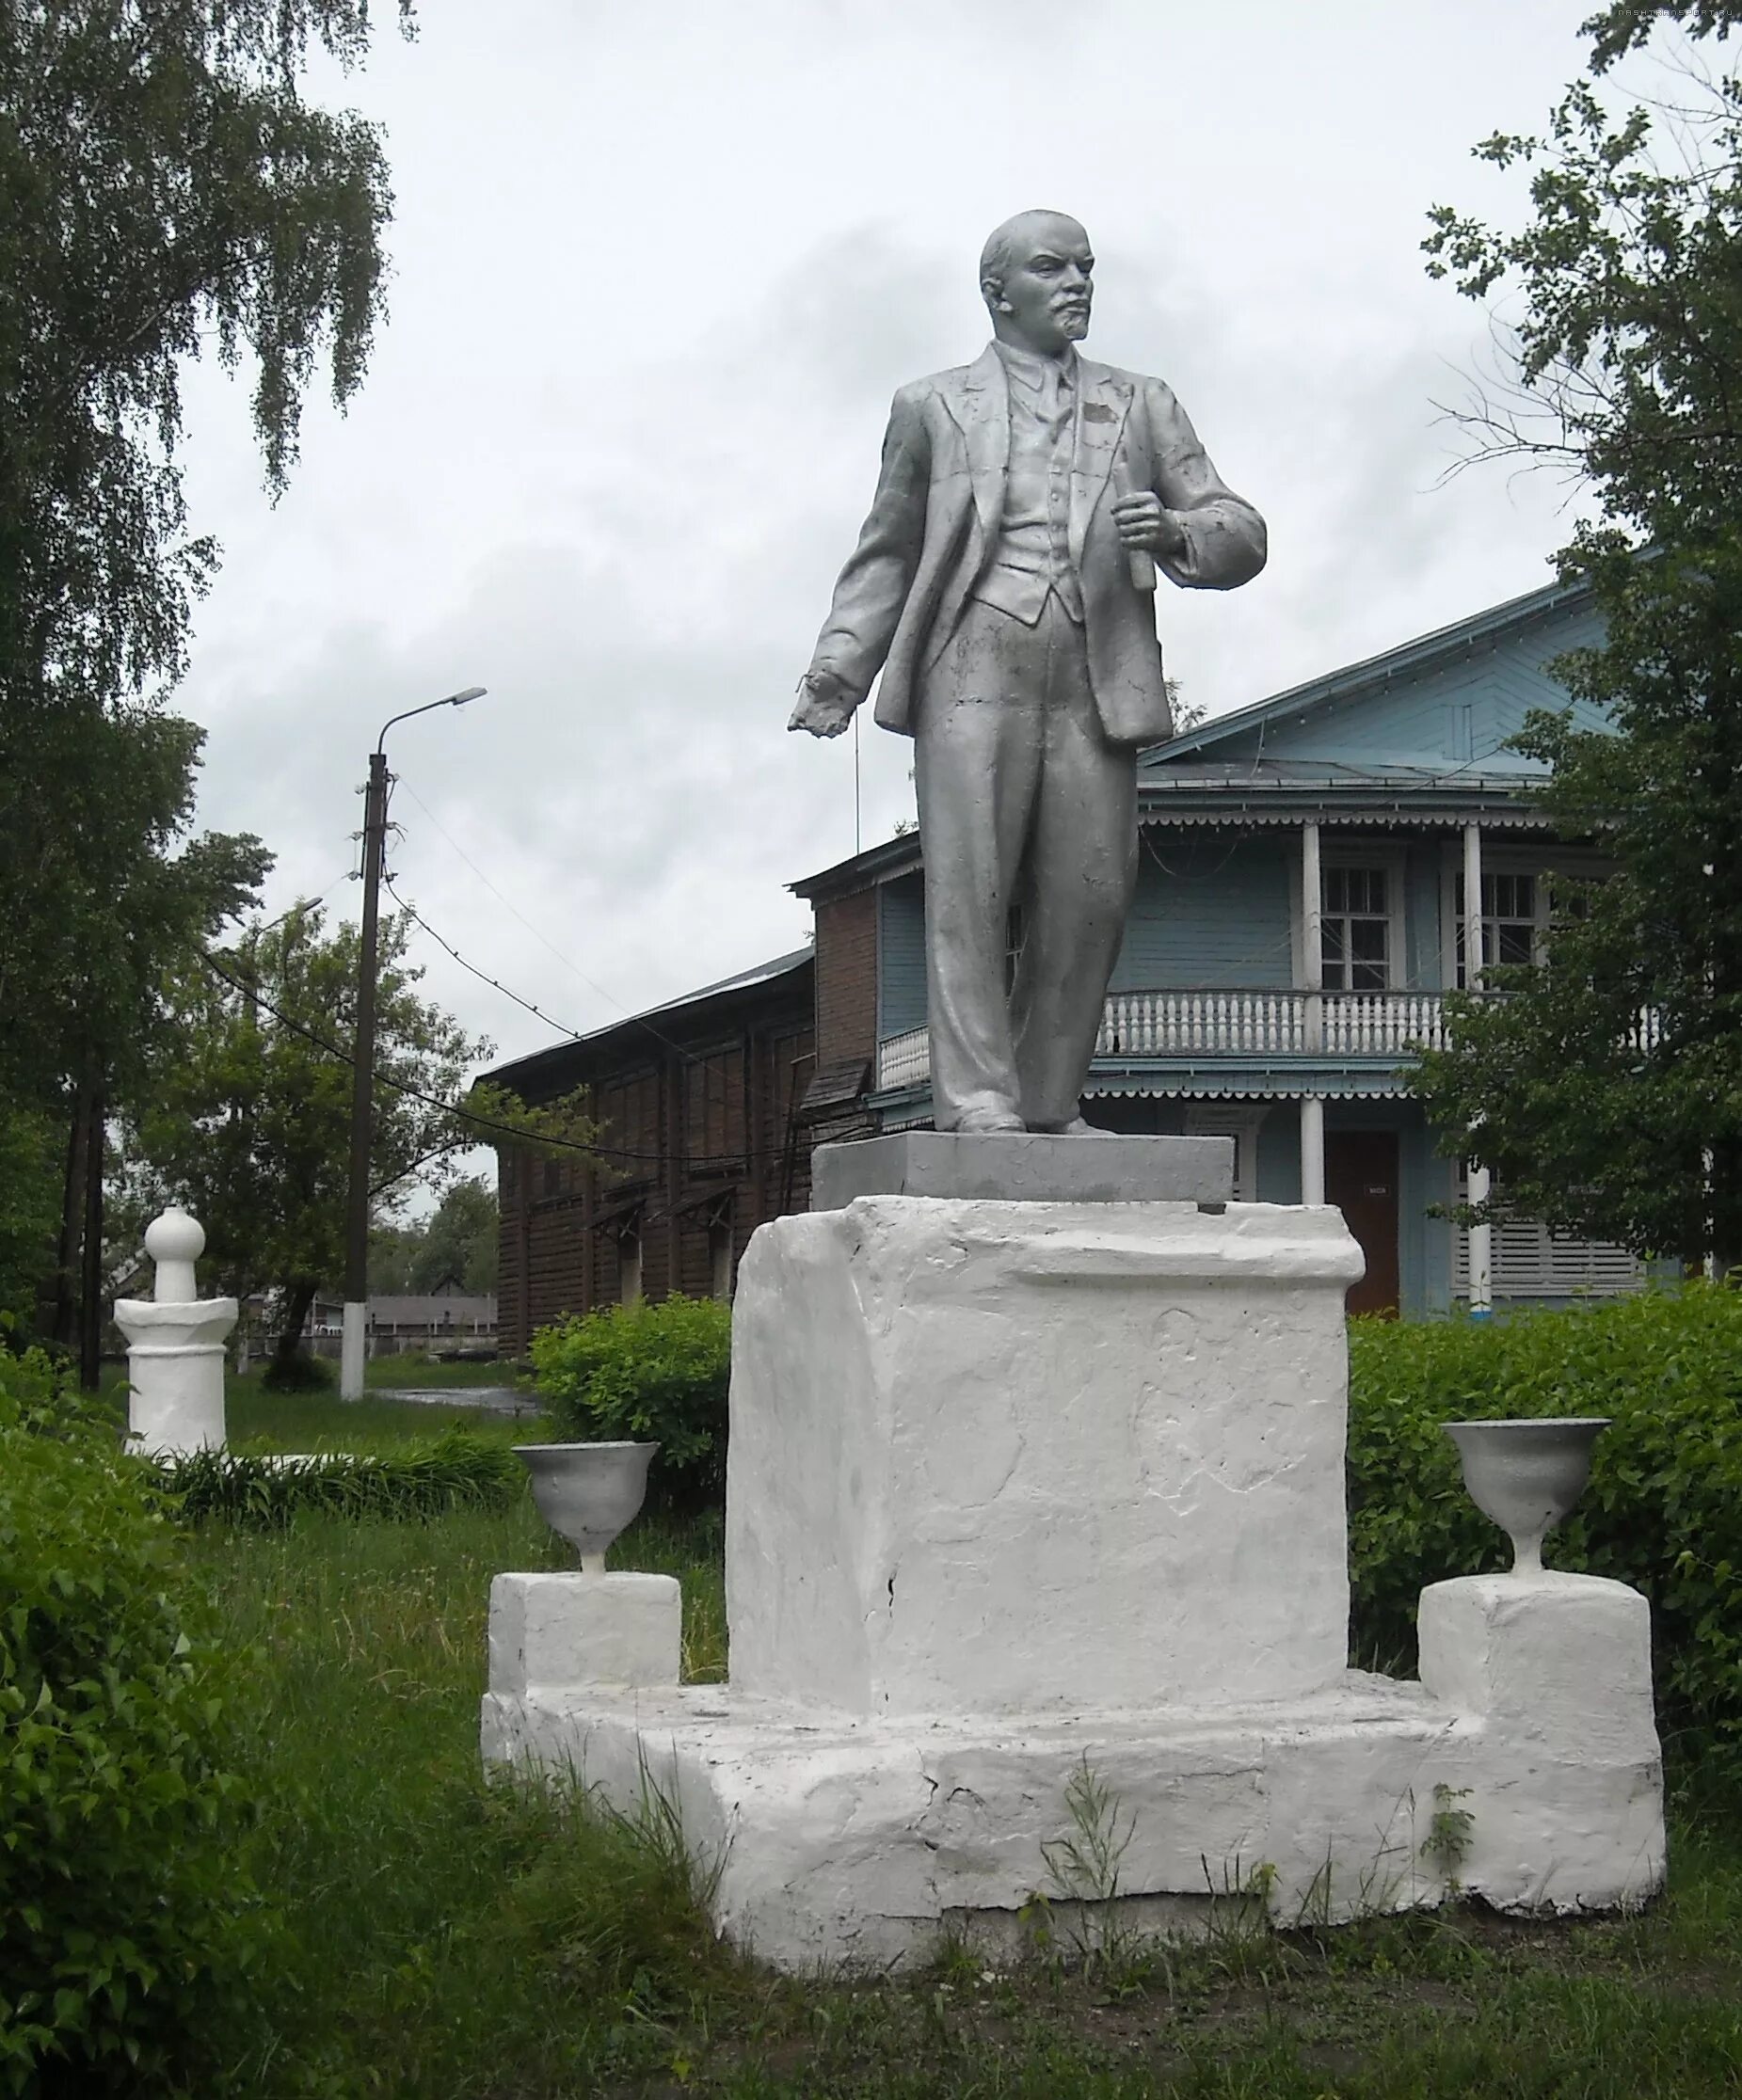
{"type": "Point", "coordinates": [1312, 1149]}
{"type": "Point", "coordinates": [1312, 936]}
{"type": "Point", "coordinates": [1474, 962]}
{"type": "Point", "coordinates": [1312, 979]}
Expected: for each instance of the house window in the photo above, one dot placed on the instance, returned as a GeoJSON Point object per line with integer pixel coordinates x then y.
{"type": "Point", "coordinates": [1356, 929]}
{"type": "Point", "coordinates": [1512, 918]}
{"type": "Point", "coordinates": [1527, 1260]}
{"type": "Point", "coordinates": [720, 1257]}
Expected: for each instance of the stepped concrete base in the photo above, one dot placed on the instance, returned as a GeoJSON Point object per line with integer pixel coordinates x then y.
{"type": "Point", "coordinates": [863, 1844]}
{"type": "Point", "coordinates": [1019, 1491]}
{"type": "Point", "coordinates": [1024, 1167]}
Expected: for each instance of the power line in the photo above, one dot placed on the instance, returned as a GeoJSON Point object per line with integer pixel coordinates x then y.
{"type": "Point", "coordinates": [640, 1021]}
{"type": "Point", "coordinates": [701, 1064]}
{"type": "Point", "coordinates": [484, 978]}
{"type": "Point", "coordinates": [507, 903]}
{"type": "Point", "coordinates": [470, 1116]}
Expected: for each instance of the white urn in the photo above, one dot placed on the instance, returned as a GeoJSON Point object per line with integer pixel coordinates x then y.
{"type": "Point", "coordinates": [588, 1492]}
{"type": "Point", "coordinates": [1526, 1474]}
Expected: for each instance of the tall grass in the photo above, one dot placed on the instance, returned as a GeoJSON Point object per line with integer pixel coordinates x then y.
{"type": "Point", "coordinates": [436, 1928]}
{"type": "Point", "coordinates": [445, 1938]}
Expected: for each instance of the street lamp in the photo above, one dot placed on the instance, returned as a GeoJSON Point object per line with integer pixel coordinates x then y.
{"type": "Point", "coordinates": [356, 1219]}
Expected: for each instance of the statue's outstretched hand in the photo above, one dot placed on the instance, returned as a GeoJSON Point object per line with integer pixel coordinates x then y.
{"type": "Point", "coordinates": [824, 704]}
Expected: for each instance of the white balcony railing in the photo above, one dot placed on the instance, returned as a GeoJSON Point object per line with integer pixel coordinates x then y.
{"type": "Point", "coordinates": [1268, 1024]}
{"type": "Point", "coordinates": [1228, 1023]}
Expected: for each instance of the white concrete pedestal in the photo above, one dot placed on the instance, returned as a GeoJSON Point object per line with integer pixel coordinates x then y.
{"type": "Point", "coordinates": [998, 1457]}
{"type": "Point", "coordinates": [175, 1347]}
{"type": "Point", "coordinates": [1018, 1485]}
{"type": "Point", "coordinates": [555, 1632]}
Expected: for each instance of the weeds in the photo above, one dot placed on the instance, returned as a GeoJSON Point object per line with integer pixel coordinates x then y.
{"type": "Point", "coordinates": [1447, 1843]}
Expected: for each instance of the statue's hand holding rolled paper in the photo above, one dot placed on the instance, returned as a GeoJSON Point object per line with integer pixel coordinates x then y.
{"type": "Point", "coordinates": [1147, 528]}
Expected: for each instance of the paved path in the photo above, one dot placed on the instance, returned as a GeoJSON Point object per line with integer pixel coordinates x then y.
{"type": "Point", "coordinates": [488, 1399]}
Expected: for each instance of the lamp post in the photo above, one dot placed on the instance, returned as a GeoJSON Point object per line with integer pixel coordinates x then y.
{"type": "Point", "coordinates": [356, 1217]}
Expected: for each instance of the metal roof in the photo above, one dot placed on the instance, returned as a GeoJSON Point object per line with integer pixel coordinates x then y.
{"type": "Point", "coordinates": [1178, 783]}
{"type": "Point", "coordinates": [542, 1067]}
{"type": "Point", "coordinates": [1408, 659]}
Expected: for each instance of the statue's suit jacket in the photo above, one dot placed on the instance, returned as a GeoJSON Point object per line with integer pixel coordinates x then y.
{"type": "Point", "coordinates": [935, 524]}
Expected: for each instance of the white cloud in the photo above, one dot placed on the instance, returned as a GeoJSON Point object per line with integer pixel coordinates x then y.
{"type": "Point", "coordinates": [657, 272]}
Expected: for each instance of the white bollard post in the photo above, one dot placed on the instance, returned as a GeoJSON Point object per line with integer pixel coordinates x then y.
{"type": "Point", "coordinates": [175, 1346]}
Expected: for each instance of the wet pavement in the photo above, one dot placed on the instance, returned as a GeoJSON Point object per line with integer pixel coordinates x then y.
{"type": "Point", "coordinates": [488, 1399]}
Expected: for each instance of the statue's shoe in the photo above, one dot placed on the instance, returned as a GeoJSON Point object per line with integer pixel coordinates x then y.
{"type": "Point", "coordinates": [977, 1122]}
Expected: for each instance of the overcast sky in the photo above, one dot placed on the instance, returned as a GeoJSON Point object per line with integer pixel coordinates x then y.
{"type": "Point", "coordinates": [658, 271]}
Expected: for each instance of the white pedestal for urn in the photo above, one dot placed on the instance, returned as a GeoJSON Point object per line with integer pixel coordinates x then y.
{"type": "Point", "coordinates": [1018, 1485]}
{"type": "Point", "coordinates": [176, 1344]}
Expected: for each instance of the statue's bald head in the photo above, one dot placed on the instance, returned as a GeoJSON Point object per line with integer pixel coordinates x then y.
{"type": "Point", "coordinates": [1036, 273]}
{"type": "Point", "coordinates": [1009, 244]}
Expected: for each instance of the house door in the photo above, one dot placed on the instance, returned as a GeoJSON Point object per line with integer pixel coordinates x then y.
{"type": "Point", "coordinates": [1361, 1179]}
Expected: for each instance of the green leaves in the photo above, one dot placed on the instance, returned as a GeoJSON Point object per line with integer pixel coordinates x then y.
{"type": "Point", "coordinates": [127, 1930]}
{"type": "Point", "coordinates": [246, 1113]}
{"type": "Point", "coordinates": [166, 188]}
{"type": "Point", "coordinates": [454, 1470]}
{"type": "Point", "coordinates": [1606, 1088]}
{"type": "Point", "coordinates": [644, 1373]}
{"type": "Point", "coordinates": [1663, 1510]}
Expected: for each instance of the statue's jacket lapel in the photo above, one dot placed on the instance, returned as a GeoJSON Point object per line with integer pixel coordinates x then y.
{"type": "Point", "coordinates": [980, 406]}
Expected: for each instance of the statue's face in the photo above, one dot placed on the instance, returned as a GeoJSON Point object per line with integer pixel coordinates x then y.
{"type": "Point", "coordinates": [1050, 288]}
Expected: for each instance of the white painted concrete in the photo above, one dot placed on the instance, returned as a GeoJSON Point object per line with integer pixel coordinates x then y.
{"type": "Point", "coordinates": [1557, 1671]}
{"type": "Point", "coordinates": [995, 1457]}
{"type": "Point", "coordinates": [860, 1843]}
{"type": "Point", "coordinates": [353, 1351]}
{"type": "Point", "coordinates": [175, 1347]}
{"type": "Point", "coordinates": [1021, 1488]}
{"type": "Point", "coordinates": [556, 1631]}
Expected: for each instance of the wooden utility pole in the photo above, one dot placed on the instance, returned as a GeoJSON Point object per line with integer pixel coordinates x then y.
{"type": "Point", "coordinates": [362, 1053]}
{"type": "Point", "coordinates": [362, 1100]}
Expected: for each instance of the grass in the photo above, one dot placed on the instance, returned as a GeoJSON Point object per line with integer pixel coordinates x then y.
{"type": "Point", "coordinates": [256, 1419]}
{"type": "Point", "coordinates": [445, 1937]}
{"type": "Point", "coordinates": [425, 1371]}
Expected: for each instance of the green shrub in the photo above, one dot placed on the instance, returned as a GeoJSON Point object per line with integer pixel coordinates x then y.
{"type": "Point", "coordinates": [454, 1470]}
{"type": "Point", "coordinates": [644, 1373]}
{"type": "Point", "coordinates": [1664, 1507]}
{"type": "Point", "coordinates": [127, 1930]}
{"type": "Point", "coordinates": [301, 1373]}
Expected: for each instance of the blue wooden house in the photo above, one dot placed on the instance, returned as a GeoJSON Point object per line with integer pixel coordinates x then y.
{"type": "Point", "coordinates": [1302, 908]}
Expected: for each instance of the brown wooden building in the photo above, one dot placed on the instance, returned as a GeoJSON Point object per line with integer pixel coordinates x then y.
{"type": "Point", "coordinates": [703, 1137]}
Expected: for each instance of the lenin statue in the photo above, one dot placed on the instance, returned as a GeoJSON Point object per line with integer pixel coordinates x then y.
{"type": "Point", "coordinates": [1003, 585]}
